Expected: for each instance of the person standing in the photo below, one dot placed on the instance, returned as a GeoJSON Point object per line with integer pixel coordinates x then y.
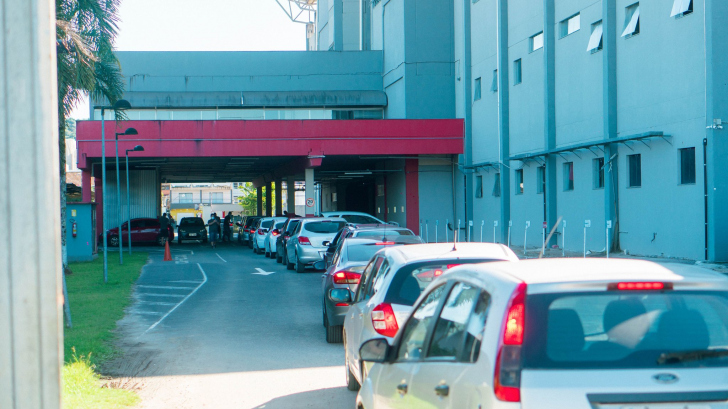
{"type": "Point", "coordinates": [214, 226]}
{"type": "Point", "coordinates": [226, 231]}
{"type": "Point", "coordinates": [163, 229]}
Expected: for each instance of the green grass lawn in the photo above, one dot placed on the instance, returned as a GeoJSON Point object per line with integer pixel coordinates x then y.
{"type": "Point", "coordinates": [95, 308]}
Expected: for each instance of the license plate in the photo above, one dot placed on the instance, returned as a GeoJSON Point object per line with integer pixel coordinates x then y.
{"type": "Point", "coordinates": [193, 234]}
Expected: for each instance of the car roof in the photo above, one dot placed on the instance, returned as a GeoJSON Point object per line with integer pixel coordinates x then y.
{"type": "Point", "coordinates": [564, 270]}
{"type": "Point", "coordinates": [321, 219]}
{"type": "Point", "coordinates": [447, 251]}
{"type": "Point", "coordinates": [347, 212]}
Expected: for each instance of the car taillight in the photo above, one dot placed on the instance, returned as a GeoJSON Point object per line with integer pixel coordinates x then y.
{"type": "Point", "coordinates": [346, 277]}
{"type": "Point", "coordinates": [385, 243]}
{"type": "Point", "coordinates": [261, 232]}
{"type": "Point", "coordinates": [507, 377]}
{"type": "Point", "coordinates": [639, 286]}
{"type": "Point", "coordinates": [384, 321]}
{"type": "Point", "coordinates": [449, 266]}
{"type": "Point", "coordinates": [246, 230]}
{"type": "Point", "coordinates": [304, 240]}
{"type": "Point", "coordinates": [275, 232]}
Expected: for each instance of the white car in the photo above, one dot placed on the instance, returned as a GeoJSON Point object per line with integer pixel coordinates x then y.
{"type": "Point", "coordinates": [269, 243]}
{"type": "Point", "coordinates": [558, 333]}
{"type": "Point", "coordinates": [259, 235]}
{"type": "Point", "coordinates": [391, 283]}
{"type": "Point", "coordinates": [357, 217]}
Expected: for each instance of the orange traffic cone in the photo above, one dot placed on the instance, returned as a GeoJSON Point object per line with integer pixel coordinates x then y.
{"type": "Point", "coordinates": [167, 253]}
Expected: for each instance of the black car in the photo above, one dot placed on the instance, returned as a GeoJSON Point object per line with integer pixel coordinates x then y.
{"type": "Point", "coordinates": [191, 228]}
{"type": "Point", "coordinates": [288, 228]}
{"type": "Point", "coordinates": [247, 229]}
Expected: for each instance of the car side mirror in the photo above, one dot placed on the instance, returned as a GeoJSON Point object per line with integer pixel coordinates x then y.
{"type": "Point", "coordinates": [340, 295]}
{"type": "Point", "coordinates": [320, 265]}
{"type": "Point", "coordinates": [375, 350]}
{"type": "Point", "coordinates": [394, 223]}
{"type": "Point", "coordinates": [326, 243]}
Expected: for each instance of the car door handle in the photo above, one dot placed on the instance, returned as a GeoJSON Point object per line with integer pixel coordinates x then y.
{"type": "Point", "coordinates": [402, 388]}
{"type": "Point", "coordinates": [442, 390]}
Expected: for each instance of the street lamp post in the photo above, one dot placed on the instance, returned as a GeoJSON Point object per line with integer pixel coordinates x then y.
{"type": "Point", "coordinates": [129, 131]}
{"type": "Point", "coordinates": [137, 148]}
{"type": "Point", "coordinates": [120, 104]}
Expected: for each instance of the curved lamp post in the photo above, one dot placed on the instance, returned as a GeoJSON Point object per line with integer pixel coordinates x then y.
{"type": "Point", "coordinates": [137, 148]}
{"type": "Point", "coordinates": [118, 105]}
{"type": "Point", "coordinates": [129, 131]}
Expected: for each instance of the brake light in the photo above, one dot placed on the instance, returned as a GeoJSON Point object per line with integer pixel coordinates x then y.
{"type": "Point", "coordinates": [304, 240]}
{"type": "Point", "coordinates": [275, 232]}
{"type": "Point", "coordinates": [507, 377]}
{"type": "Point", "coordinates": [346, 277]}
{"type": "Point", "coordinates": [639, 286]}
{"type": "Point", "coordinates": [384, 321]}
{"type": "Point", "coordinates": [449, 266]}
{"type": "Point", "coordinates": [385, 243]}
{"type": "Point", "coordinates": [261, 232]}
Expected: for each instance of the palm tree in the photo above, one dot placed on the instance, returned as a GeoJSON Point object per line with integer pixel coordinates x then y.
{"type": "Point", "coordinates": [85, 34]}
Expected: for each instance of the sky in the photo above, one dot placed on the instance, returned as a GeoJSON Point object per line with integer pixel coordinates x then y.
{"type": "Point", "coordinates": [204, 25]}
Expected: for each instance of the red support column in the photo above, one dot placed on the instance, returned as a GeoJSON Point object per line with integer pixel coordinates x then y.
{"type": "Point", "coordinates": [412, 184]}
{"type": "Point", "coordinates": [86, 185]}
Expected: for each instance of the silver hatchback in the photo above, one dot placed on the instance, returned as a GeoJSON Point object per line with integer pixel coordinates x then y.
{"type": "Point", "coordinates": [309, 241]}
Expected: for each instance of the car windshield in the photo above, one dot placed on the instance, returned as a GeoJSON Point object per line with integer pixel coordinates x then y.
{"type": "Point", "coordinates": [191, 221]}
{"type": "Point", "coordinates": [384, 232]}
{"type": "Point", "coordinates": [326, 227]}
{"type": "Point", "coordinates": [611, 330]}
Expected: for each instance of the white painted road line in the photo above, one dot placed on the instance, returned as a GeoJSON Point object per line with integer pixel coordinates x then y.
{"type": "Point", "coordinates": [166, 287]}
{"type": "Point", "coordinates": [186, 282]}
{"type": "Point", "coordinates": [204, 276]}
{"type": "Point", "coordinates": [161, 295]}
{"type": "Point", "coordinates": [262, 272]}
{"type": "Point", "coordinates": [168, 304]}
{"type": "Point", "coordinates": [221, 257]}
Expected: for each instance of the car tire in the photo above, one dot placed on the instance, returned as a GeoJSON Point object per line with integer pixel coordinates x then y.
{"type": "Point", "coordinates": [204, 240]}
{"type": "Point", "coordinates": [279, 259]}
{"type": "Point", "coordinates": [179, 241]}
{"type": "Point", "coordinates": [114, 241]}
{"type": "Point", "coordinates": [300, 268]}
{"type": "Point", "coordinates": [334, 334]}
{"type": "Point", "coordinates": [289, 265]}
{"type": "Point", "coordinates": [351, 383]}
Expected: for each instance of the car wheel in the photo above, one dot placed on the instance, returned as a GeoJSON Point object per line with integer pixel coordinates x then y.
{"type": "Point", "coordinates": [334, 334]}
{"type": "Point", "coordinates": [114, 241]}
{"type": "Point", "coordinates": [204, 240]}
{"type": "Point", "coordinates": [279, 259]}
{"type": "Point", "coordinates": [179, 241]}
{"type": "Point", "coordinates": [289, 265]}
{"type": "Point", "coordinates": [300, 268]}
{"type": "Point", "coordinates": [351, 383]}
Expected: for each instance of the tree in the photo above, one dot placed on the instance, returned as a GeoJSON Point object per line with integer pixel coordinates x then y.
{"type": "Point", "coordinates": [86, 65]}
{"type": "Point", "coordinates": [249, 198]}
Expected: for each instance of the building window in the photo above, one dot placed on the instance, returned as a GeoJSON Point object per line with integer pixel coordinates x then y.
{"type": "Point", "coordinates": [476, 91]}
{"type": "Point", "coordinates": [570, 25]}
{"type": "Point", "coordinates": [519, 181]}
{"type": "Point", "coordinates": [496, 185]}
{"type": "Point", "coordinates": [568, 176]}
{"type": "Point", "coordinates": [185, 197]}
{"type": "Point", "coordinates": [687, 166]}
{"type": "Point", "coordinates": [681, 8]}
{"type": "Point", "coordinates": [517, 77]}
{"type": "Point", "coordinates": [635, 170]}
{"type": "Point", "coordinates": [540, 179]}
{"type": "Point", "coordinates": [596, 41]}
{"type": "Point", "coordinates": [536, 42]}
{"type": "Point", "coordinates": [479, 186]}
{"type": "Point", "coordinates": [631, 21]}
{"type": "Point", "coordinates": [598, 171]}
{"type": "Point", "coordinates": [494, 85]}
{"type": "Point", "coordinates": [215, 197]}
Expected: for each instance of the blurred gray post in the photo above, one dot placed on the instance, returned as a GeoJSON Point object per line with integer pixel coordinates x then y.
{"type": "Point", "coordinates": [30, 247]}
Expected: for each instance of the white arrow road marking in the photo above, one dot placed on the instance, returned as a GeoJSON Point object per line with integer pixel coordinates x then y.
{"type": "Point", "coordinates": [262, 272]}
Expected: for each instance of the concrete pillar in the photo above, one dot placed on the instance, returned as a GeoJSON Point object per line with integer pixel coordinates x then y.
{"type": "Point", "coordinates": [291, 195]}
{"type": "Point", "coordinates": [86, 185]}
{"type": "Point", "coordinates": [269, 199]}
{"type": "Point", "coordinates": [259, 197]}
{"type": "Point", "coordinates": [504, 115]}
{"type": "Point", "coordinates": [30, 248]}
{"type": "Point", "coordinates": [279, 198]}
{"type": "Point", "coordinates": [310, 193]}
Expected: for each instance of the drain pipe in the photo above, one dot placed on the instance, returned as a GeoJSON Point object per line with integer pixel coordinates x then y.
{"type": "Point", "coordinates": [705, 192]}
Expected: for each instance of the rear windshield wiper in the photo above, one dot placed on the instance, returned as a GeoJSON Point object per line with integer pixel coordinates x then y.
{"type": "Point", "coordinates": [688, 356]}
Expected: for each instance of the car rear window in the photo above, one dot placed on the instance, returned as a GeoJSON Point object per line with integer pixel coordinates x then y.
{"type": "Point", "coordinates": [279, 225]}
{"type": "Point", "coordinates": [359, 219]}
{"type": "Point", "coordinates": [250, 222]}
{"type": "Point", "coordinates": [383, 232]}
{"type": "Point", "coordinates": [409, 281]}
{"type": "Point", "coordinates": [362, 252]}
{"type": "Point", "coordinates": [612, 330]}
{"type": "Point", "coordinates": [266, 224]}
{"type": "Point", "coordinates": [324, 227]}
{"type": "Point", "coordinates": [191, 221]}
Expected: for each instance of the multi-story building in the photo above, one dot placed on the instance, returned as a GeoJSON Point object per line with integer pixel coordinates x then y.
{"type": "Point", "coordinates": [572, 113]}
